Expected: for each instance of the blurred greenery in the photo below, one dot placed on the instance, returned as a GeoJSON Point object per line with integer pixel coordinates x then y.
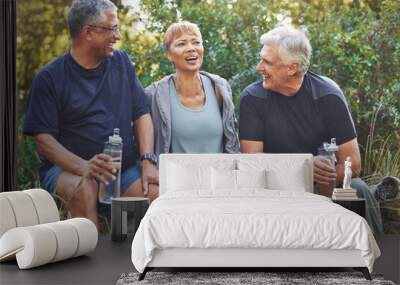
{"type": "Point", "coordinates": [356, 43]}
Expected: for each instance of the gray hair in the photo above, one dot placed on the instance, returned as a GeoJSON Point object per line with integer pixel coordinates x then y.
{"type": "Point", "coordinates": [87, 12]}
{"type": "Point", "coordinates": [293, 45]}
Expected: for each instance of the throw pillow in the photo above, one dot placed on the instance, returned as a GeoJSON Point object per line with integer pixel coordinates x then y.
{"type": "Point", "coordinates": [182, 177]}
{"type": "Point", "coordinates": [223, 179]}
{"type": "Point", "coordinates": [251, 178]}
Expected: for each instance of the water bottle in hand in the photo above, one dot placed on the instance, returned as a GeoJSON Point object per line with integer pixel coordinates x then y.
{"type": "Point", "coordinates": [113, 148]}
{"type": "Point", "coordinates": [327, 154]}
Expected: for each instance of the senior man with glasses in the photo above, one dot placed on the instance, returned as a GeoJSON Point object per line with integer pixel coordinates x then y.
{"type": "Point", "coordinates": [74, 104]}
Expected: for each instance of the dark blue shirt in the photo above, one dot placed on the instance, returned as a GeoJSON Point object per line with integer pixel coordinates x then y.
{"type": "Point", "coordinates": [81, 107]}
{"type": "Point", "coordinates": [298, 123]}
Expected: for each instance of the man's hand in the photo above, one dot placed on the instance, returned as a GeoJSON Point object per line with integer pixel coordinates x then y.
{"type": "Point", "coordinates": [324, 176]}
{"type": "Point", "coordinates": [99, 167]}
{"type": "Point", "coordinates": [324, 172]}
{"type": "Point", "coordinates": [149, 175]}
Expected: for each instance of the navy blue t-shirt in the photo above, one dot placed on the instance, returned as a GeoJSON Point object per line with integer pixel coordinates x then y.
{"type": "Point", "coordinates": [81, 107]}
{"type": "Point", "coordinates": [298, 123]}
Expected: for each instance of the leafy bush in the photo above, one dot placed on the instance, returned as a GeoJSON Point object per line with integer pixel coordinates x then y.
{"type": "Point", "coordinates": [356, 43]}
{"type": "Point", "coordinates": [380, 157]}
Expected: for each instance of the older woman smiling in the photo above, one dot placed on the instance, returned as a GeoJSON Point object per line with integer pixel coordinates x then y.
{"type": "Point", "coordinates": [192, 110]}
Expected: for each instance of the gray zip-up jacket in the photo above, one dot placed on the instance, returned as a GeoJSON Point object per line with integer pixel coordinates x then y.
{"type": "Point", "coordinates": [159, 100]}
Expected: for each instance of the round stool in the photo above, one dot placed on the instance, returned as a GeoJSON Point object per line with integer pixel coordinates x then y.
{"type": "Point", "coordinates": [126, 214]}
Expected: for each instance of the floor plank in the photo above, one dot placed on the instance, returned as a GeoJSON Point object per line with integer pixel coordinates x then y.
{"type": "Point", "coordinates": [389, 262]}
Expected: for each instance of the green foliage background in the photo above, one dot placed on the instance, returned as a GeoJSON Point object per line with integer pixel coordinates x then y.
{"type": "Point", "coordinates": [356, 43]}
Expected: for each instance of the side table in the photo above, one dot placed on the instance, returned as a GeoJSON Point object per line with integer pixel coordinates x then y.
{"type": "Point", "coordinates": [356, 205]}
{"type": "Point", "coordinates": [126, 214]}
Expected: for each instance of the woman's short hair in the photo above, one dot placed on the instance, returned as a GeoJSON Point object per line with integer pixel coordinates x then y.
{"type": "Point", "coordinates": [177, 29]}
{"type": "Point", "coordinates": [293, 45]}
{"type": "Point", "coordinates": [87, 12]}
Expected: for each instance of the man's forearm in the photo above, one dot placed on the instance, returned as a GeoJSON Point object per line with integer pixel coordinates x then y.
{"type": "Point", "coordinates": [251, 146]}
{"type": "Point", "coordinates": [145, 134]}
{"type": "Point", "coordinates": [57, 154]}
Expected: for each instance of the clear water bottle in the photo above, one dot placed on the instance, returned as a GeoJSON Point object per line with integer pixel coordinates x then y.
{"type": "Point", "coordinates": [113, 148]}
{"type": "Point", "coordinates": [328, 152]}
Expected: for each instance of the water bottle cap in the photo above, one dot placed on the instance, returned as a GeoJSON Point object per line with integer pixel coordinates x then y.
{"type": "Point", "coordinates": [331, 147]}
{"type": "Point", "coordinates": [115, 138]}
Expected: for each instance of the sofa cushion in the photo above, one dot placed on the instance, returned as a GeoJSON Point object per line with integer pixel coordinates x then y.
{"type": "Point", "coordinates": [7, 220]}
{"type": "Point", "coordinates": [45, 206]}
{"type": "Point", "coordinates": [23, 208]}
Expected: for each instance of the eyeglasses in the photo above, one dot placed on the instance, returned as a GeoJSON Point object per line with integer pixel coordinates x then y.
{"type": "Point", "coordinates": [114, 29]}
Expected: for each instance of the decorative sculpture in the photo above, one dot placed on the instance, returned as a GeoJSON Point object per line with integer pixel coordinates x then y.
{"type": "Point", "coordinates": [347, 174]}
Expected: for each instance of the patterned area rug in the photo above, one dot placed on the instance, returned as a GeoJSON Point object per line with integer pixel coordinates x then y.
{"type": "Point", "coordinates": [230, 278]}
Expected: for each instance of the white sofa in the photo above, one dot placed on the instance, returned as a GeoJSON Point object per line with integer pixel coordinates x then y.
{"type": "Point", "coordinates": [32, 233]}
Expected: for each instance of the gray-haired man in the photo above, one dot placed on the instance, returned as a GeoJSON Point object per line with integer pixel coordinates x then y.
{"type": "Point", "coordinates": [77, 100]}
{"type": "Point", "coordinates": [293, 110]}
